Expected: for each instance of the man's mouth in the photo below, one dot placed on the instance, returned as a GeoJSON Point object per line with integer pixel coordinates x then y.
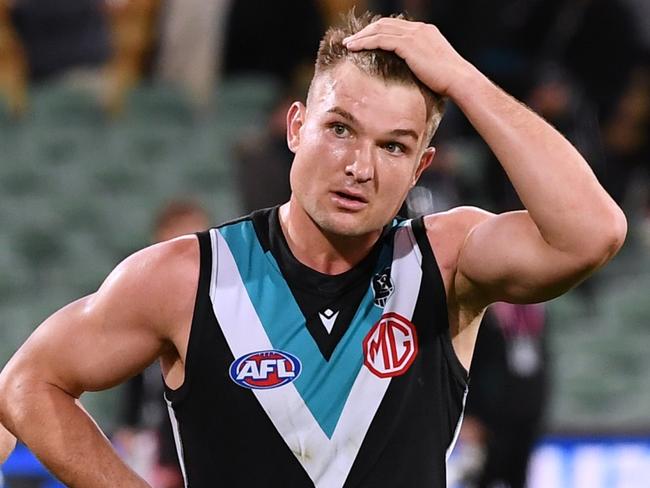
{"type": "Point", "coordinates": [350, 201]}
{"type": "Point", "coordinates": [352, 196]}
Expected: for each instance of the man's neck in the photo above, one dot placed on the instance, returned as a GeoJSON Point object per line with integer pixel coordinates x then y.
{"type": "Point", "coordinates": [320, 250]}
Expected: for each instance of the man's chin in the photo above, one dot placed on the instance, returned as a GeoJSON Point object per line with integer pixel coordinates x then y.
{"type": "Point", "coordinates": [348, 225]}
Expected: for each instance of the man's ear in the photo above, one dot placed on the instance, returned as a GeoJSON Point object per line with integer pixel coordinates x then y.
{"type": "Point", "coordinates": [425, 162]}
{"type": "Point", "coordinates": [295, 120]}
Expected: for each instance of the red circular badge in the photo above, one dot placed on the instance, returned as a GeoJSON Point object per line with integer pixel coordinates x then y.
{"type": "Point", "coordinates": [390, 347]}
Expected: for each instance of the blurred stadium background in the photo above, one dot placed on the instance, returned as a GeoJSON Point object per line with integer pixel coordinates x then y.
{"type": "Point", "coordinates": [110, 108]}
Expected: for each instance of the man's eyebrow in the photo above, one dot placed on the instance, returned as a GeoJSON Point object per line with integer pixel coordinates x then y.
{"type": "Point", "coordinates": [343, 113]}
{"type": "Point", "coordinates": [394, 133]}
{"type": "Point", "coordinates": [404, 132]}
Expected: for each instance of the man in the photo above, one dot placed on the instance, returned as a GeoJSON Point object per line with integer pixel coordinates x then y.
{"type": "Point", "coordinates": [325, 343]}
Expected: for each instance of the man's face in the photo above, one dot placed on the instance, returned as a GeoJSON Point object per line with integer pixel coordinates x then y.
{"type": "Point", "coordinates": [358, 148]}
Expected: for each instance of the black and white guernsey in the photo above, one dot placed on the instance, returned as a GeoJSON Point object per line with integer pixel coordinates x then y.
{"type": "Point", "coordinates": [299, 379]}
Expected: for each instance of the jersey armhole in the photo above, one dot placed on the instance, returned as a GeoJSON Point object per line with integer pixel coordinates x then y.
{"type": "Point", "coordinates": [201, 301]}
{"type": "Point", "coordinates": [431, 268]}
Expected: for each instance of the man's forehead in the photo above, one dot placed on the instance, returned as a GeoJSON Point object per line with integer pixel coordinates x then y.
{"type": "Point", "coordinates": [348, 89]}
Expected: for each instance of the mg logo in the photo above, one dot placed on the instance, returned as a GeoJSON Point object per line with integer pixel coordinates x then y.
{"type": "Point", "coordinates": [391, 346]}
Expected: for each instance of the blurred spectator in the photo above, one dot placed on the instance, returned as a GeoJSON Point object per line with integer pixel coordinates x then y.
{"type": "Point", "coordinates": [146, 440]}
{"type": "Point", "coordinates": [13, 64]}
{"type": "Point", "coordinates": [507, 396]}
{"type": "Point", "coordinates": [61, 34]}
{"type": "Point", "coordinates": [263, 160]}
{"type": "Point", "coordinates": [133, 31]}
{"type": "Point", "coordinates": [114, 39]}
{"type": "Point", "coordinates": [179, 217]}
{"type": "Point", "coordinates": [191, 50]}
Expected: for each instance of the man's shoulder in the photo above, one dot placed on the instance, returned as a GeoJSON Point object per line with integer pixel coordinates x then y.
{"type": "Point", "coordinates": [172, 255]}
{"type": "Point", "coordinates": [156, 284]}
{"type": "Point", "coordinates": [160, 272]}
{"type": "Point", "coordinates": [447, 231]}
{"type": "Point", "coordinates": [455, 223]}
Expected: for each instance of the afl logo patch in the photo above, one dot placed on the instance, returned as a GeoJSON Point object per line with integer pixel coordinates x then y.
{"type": "Point", "coordinates": [263, 370]}
{"type": "Point", "coordinates": [390, 347]}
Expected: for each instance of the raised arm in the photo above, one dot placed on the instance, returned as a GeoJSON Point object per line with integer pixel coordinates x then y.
{"type": "Point", "coordinates": [138, 314]}
{"type": "Point", "coordinates": [571, 226]}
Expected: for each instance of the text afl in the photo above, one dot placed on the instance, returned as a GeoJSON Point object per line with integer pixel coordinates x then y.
{"type": "Point", "coordinates": [263, 370]}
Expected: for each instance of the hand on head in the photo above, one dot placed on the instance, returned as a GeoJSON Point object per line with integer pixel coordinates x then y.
{"type": "Point", "coordinates": [426, 51]}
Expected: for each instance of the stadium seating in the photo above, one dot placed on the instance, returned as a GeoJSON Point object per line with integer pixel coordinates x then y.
{"type": "Point", "coordinates": [80, 189]}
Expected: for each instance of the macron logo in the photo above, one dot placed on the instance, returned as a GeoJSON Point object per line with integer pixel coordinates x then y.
{"type": "Point", "coordinates": [328, 318]}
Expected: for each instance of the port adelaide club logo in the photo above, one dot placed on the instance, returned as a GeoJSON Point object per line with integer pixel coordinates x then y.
{"type": "Point", "coordinates": [263, 370]}
{"type": "Point", "coordinates": [390, 347]}
{"type": "Point", "coordinates": [382, 287]}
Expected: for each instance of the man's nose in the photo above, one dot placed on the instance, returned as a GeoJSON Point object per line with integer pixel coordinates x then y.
{"type": "Point", "coordinates": [362, 167]}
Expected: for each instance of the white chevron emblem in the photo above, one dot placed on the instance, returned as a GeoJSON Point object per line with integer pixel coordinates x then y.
{"type": "Point", "coordinates": [328, 317]}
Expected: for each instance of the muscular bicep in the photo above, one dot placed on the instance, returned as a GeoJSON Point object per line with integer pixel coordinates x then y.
{"type": "Point", "coordinates": [505, 258]}
{"type": "Point", "coordinates": [100, 340]}
{"type": "Point", "coordinates": [88, 345]}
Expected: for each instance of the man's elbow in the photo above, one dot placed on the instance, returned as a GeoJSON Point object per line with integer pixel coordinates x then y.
{"type": "Point", "coordinates": [605, 243]}
{"type": "Point", "coordinates": [6, 387]}
{"type": "Point", "coordinates": [7, 440]}
{"type": "Point", "coordinates": [619, 232]}
{"type": "Point", "coordinates": [615, 233]}
{"type": "Point", "coordinates": [7, 444]}
{"type": "Point", "coordinates": [15, 389]}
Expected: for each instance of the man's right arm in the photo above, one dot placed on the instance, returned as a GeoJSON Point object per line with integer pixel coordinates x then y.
{"type": "Point", "coordinates": [94, 344]}
{"type": "Point", "coordinates": [7, 444]}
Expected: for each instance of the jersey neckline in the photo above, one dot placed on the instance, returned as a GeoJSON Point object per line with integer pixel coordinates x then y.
{"type": "Point", "coordinates": [270, 234]}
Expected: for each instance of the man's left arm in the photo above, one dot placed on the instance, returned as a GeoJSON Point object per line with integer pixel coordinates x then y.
{"type": "Point", "coordinates": [570, 227]}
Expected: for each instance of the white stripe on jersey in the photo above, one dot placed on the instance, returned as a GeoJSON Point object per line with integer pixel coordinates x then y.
{"type": "Point", "coordinates": [327, 461]}
{"type": "Point", "coordinates": [458, 425]}
{"type": "Point", "coordinates": [177, 440]}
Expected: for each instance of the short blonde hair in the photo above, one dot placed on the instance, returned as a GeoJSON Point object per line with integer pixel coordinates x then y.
{"type": "Point", "coordinates": [385, 65]}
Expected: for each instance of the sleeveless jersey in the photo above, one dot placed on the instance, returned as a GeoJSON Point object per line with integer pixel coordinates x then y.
{"type": "Point", "coordinates": [298, 379]}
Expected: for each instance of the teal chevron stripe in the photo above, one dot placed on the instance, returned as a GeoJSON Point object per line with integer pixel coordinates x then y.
{"type": "Point", "coordinates": [323, 385]}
